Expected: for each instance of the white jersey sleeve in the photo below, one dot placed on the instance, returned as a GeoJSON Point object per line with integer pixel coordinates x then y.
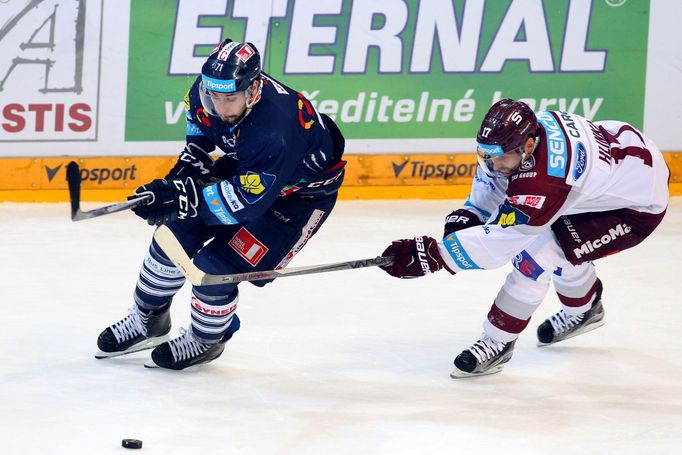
{"type": "Point", "coordinates": [486, 195]}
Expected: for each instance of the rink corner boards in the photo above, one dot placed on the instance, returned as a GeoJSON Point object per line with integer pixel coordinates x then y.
{"type": "Point", "coordinates": [368, 177]}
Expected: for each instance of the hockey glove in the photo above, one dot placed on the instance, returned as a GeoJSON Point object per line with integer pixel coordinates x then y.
{"type": "Point", "coordinates": [225, 167]}
{"type": "Point", "coordinates": [193, 162]}
{"type": "Point", "coordinates": [460, 219]}
{"type": "Point", "coordinates": [170, 200]}
{"type": "Point", "coordinates": [414, 257]}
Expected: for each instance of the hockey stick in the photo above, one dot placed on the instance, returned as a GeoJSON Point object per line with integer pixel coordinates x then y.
{"type": "Point", "coordinates": [73, 177]}
{"type": "Point", "coordinates": [171, 246]}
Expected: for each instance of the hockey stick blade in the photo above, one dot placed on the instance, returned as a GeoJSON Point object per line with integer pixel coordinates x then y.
{"type": "Point", "coordinates": [73, 178]}
{"type": "Point", "coordinates": [171, 246]}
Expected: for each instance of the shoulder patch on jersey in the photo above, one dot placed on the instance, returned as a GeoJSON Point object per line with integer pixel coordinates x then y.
{"type": "Point", "coordinates": [306, 113]}
{"type": "Point", "coordinates": [253, 186]}
{"type": "Point", "coordinates": [202, 116]}
{"type": "Point", "coordinates": [510, 216]}
{"type": "Point", "coordinates": [187, 101]}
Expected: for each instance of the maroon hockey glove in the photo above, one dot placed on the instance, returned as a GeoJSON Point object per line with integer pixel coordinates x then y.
{"type": "Point", "coordinates": [460, 219]}
{"type": "Point", "coordinates": [414, 257]}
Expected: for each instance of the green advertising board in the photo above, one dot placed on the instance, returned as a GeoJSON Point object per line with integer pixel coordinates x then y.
{"type": "Point", "coordinates": [399, 69]}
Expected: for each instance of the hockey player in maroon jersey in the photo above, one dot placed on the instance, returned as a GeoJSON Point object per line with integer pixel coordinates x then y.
{"type": "Point", "coordinates": [553, 192]}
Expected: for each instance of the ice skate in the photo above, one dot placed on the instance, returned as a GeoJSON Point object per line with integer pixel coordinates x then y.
{"type": "Point", "coordinates": [138, 331]}
{"type": "Point", "coordinates": [486, 356]}
{"type": "Point", "coordinates": [562, 326]}
{"type": "Point", "coordinates": [186, 351]}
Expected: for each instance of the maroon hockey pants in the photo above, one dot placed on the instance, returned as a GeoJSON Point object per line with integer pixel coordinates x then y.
{"type": "Point", "coordinates": [588, 236]}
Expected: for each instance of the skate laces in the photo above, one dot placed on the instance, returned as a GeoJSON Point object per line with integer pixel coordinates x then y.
{"type": "Point", "coordinates": [562, 321]}
{"type": "Point", "coordinates": [486, 348]}
{"type": "Point", "coordinates": [185, 346]}
{"type": "Point", "coordinates": [130, 326]}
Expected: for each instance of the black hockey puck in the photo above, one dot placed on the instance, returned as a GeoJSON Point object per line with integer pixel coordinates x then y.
{"type": "Point", "coordinates": [131, 443]}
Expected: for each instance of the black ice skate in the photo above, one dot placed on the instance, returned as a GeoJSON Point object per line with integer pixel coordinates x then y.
{"type": "Point", "coordinates": [138, 331]}
{"type": "Point", "coordinates": [486, 356]}
{"type": "Point", "coordinates": [562, 326]}
{"type": "Point", "coordinates": [186, 351]}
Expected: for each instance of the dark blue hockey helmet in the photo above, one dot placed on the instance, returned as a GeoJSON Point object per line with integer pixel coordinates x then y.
{"type": "Point", "coordinates": [231, 67]}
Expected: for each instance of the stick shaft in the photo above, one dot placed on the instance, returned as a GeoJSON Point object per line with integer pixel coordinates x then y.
{"type": "Point", "coordinates": [73, 178]}
{"type": "Point", "coordinates": [107, 209]}
{"type": "Point", "coordinates": [171, 246]}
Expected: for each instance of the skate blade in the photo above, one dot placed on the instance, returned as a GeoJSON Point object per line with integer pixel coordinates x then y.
{"type": "Point", "coordinates": [142, 346]}
{"type": "Point", "coordinates": [459, 374]}
{"type": "Point", "coordinates": [585, 329]}
{"type": "Point", "coordinates": [150, 364]}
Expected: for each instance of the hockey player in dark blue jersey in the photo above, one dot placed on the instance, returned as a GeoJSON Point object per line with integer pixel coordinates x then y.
{"type": "Point", "coordinates": [252, 209]}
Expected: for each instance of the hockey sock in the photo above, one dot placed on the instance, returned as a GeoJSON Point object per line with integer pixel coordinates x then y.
{"type": "Point", "coordinates": [212, 315]}
{"type": "Point", "coordinates": [159, 280]}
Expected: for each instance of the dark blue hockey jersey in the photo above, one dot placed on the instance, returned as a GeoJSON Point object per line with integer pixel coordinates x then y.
{"type": "Point", "coordinates": [282, 147]}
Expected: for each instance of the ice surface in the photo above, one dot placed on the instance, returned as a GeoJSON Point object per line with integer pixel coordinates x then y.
{"type": "Point", "coordinates": [345, 362]}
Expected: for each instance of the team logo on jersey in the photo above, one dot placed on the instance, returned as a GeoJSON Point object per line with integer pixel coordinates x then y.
{"type": "Point", "coordinates": [531, 200]}
{"type": "Point", "coordinates": [245, 53]}
{"type": "Point", "coordinates": [306, 113]}
{"type": "Point", "coordinates": [510, 216]}
{"type": "Point", "coordinates": [580, 161]}
{"type": "Point", "coordinates": [248, 246]}
{"type": "Point", "coordinates": [253, 186]}
{"type": "Point", "coordinates": [251, 183]}
{"type": "Point", "coordinates": [525, 264]}
{"type": "Point", "coordinates": [202, 116]}
{"type": "Point", "coordinates": [528, 164]}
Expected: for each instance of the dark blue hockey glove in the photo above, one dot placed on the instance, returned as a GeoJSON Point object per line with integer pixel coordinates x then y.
{"type": "Point", "coordinates": [170, 200]}
{"type": "Point", "coordinates": [193, 162]}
